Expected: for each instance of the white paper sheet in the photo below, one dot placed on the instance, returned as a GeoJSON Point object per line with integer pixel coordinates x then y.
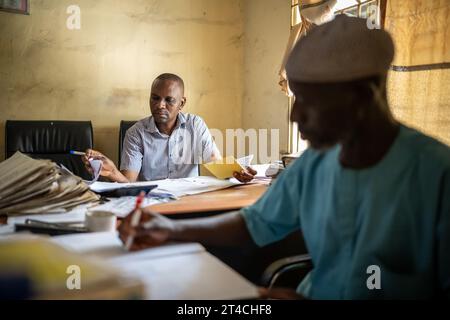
{"type": "Point", "coordinates": [261, 170]}
{"type": "Point", "coordinates": [100, 186]}
{"type": "Point", "coordinates": [96, 166]}
{"type": "Point", "coordinates": [245, 161]}
{"type": "Point", "coordinates": [177, 187]}
{"type": "Point", "coordinates": [122, 206]}
{"type": "Point", "coordinates": [108, 245]}
{"type": "Point", "coordinates": [193, 185]}
{"type": "Point", "coordinates": [75, 215]}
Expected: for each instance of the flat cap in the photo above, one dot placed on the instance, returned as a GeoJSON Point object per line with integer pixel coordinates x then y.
{"type": "Point", "coordinates": [343, 49]}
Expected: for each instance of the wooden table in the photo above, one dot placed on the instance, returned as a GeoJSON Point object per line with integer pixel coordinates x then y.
{"type": "Point", "coordinates": [232, 198]}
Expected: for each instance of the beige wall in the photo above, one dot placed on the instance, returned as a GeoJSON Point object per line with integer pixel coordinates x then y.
{"type": "Point", "coordinates": [421, 32]}
{"type": "Point", "coordinates": [103, 71]}
{"type": "Point", "coordinates": [266, 31]}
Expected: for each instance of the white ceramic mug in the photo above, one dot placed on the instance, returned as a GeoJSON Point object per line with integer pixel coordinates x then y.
{"type": "Point", "coordinates": [100, 221]}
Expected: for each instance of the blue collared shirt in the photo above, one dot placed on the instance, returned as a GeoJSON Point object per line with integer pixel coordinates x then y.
{"type": "Point", "coordinates": [156, 155]}
{"type": "Point", "coordinates": [394, 215]}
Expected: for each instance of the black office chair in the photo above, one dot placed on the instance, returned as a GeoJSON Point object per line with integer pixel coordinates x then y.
{"type": "Point", "coordinates": [124, 126]}
{"type": "Point", "coordinates": [51, 140]}
{"type": "Point", "coordinates": [287, 272]}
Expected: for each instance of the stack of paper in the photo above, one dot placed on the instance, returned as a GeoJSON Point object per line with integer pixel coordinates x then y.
{"type": "Point", "coordinates": [29, 186]}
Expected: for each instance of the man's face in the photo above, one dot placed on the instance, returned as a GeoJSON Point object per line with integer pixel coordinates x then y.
{"type": "Point", "coordinates": [166, 101]}
{"type": "Point", "coordinates": [325, 113]}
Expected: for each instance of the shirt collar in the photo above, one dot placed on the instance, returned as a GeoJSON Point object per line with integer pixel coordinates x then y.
{"type": "Point", "coordinates": [181, 122]}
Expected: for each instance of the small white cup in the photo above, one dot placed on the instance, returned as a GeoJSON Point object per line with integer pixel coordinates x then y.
{"type": "Point", "coordinates": [100, 221]}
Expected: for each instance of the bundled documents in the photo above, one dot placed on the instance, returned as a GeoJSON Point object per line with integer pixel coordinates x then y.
{"type": "Point", "coordinates": [30, 186]}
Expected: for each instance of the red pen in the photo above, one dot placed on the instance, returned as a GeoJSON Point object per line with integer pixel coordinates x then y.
{"type": "Point", "coordinates": [135, 218]}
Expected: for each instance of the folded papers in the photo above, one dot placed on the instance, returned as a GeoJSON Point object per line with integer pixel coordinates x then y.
{"type": "Point", "coordinates": [30, 186]}
{"type": "Point", "coordinates": [224, 168]}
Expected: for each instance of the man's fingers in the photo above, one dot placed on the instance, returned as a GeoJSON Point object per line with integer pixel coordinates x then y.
{"type": "Point", "coordinates": [251, 170]}
{"type": "Point", "coordinates": [243, 176]}
{"type": "Point", "coordinates": [151, 239]}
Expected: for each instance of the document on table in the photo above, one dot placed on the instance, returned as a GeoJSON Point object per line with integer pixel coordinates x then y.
{"type": "Point", "coordinates": [100, 186]}
{"type": "Point", "coordinates": [169, 271]}
{"type": "Point", "coordinates": [75, 215]}
{"type": "Point", "coordinates": [177, 187]}
{"type": "Point", "coordinates": [108, 245]}
{"type": "Point", "coordinates": [122, 206]}
{"type": "Point", "coordinates": [193, 185]}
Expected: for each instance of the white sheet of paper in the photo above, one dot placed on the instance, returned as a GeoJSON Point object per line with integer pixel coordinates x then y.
{"type": "Point", "coordinates": [245, 161]}
{"type": "Point", "coordinates": [193, 185]}
{"type": "Point", "coordinates": [108, 245]}
{"type": "Point", "coordinates": [75, 215]}
{"type": "Point", "coordinates": [260, 170]}
{"type": "Point", "coordinates": [100, 186]}
{"type": "Point", "coordinates": [187, 276]}
{"type": "Point", "coordinates": [177, 187]}
{"type": "Point", "coordinates": [6, 229]}
{"type": "Point", "coordinates": [96, 166]}
{"type": "Point", "coordinates": [122, 206]}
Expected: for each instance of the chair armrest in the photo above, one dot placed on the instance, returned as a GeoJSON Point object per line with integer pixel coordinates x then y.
{"type": "Point", "coordinates": [277, 268]}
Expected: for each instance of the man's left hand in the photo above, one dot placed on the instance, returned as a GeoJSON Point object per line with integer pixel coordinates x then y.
{"type": "Point", "coordinates": [245, 175]}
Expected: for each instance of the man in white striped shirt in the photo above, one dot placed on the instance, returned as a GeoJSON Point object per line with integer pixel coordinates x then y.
{"type": "Point", "coordinates": [167, 144]}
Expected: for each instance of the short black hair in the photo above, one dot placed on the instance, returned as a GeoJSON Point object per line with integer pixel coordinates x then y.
{"type": "Point", "coordinates": [170, 77]}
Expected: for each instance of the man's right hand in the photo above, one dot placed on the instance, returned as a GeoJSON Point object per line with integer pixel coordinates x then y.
{"type": "Point", "coordinates": [109, 169]}
{"type": "Point", "coordinates": [153, 230]}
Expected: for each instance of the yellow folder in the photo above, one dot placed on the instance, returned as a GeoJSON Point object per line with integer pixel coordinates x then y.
{"type": "Point", "coordinates": [223, 168]}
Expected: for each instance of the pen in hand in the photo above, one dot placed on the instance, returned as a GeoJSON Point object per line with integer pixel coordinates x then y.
{"type": "Point", "coordinates": [77, 153]}
{"type": "Point", "coordinates": [135, 218]}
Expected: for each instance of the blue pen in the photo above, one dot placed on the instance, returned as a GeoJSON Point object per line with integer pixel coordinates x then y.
{"type": "Point", "coordinates": [77, 153]}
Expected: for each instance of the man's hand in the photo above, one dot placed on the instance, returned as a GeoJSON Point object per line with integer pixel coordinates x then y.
{"type": "Point", "coordinates": [108, 167]}
{"type": "Point", "coordinates": [153, 230]}
{"type": "Point", "coordinates": [246, 175]}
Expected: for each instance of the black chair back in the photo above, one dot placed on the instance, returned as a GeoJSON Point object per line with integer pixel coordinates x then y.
{"type": "Point", "coordinates": [124, 126]}
{"type": "Point", "coordinates": [51, 140]}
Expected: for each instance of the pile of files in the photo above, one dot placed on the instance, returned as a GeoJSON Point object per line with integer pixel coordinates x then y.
{"type": "Point", "coordinates": [30, 186]}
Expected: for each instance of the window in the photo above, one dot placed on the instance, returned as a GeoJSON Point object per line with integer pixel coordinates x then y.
{"type": "Point", "coordinates": [356, 8]}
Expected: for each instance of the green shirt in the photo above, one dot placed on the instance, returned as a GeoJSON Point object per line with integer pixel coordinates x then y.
{"type": "Point", "coordinates": [394, 215]}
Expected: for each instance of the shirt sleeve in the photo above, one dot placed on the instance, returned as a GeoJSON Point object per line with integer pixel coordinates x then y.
{"type": "Point", "coordinates": [207, 144]}
{"type": "Point", "coordinates": [276, 214]}
{"type": "Point", "coordinates": [443, 237]}
{"type": "Point", "coordinates": [132, 152]}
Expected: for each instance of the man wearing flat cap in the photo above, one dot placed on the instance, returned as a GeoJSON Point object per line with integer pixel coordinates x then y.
{"type": "Point", "coordinates": [370, 194]}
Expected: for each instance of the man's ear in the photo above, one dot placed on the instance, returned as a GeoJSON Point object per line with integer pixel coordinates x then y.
{"type": "Point", "coordinates": [183, 102]}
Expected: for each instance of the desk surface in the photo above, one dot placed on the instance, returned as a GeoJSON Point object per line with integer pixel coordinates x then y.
{"type": "Point", "coordinates": [233, 198]}
{"type": "Point", "coordinates": [176, 271]}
